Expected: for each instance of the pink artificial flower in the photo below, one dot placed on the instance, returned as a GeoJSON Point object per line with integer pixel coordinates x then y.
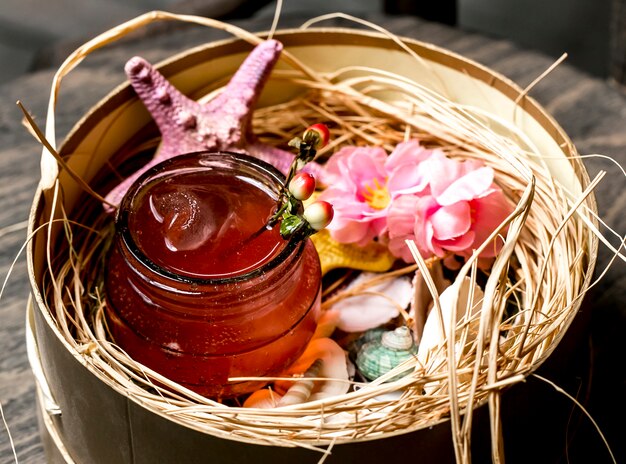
{"type": "Point", "coordinates": [363, 181]}
{"type": "Point", "coordinates": [459, 210]}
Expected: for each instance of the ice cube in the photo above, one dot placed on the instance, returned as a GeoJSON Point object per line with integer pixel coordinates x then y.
{"type": "Point", "coordinates": [189, 220]}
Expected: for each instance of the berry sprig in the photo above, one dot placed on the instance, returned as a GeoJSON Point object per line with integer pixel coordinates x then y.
{"type": "Point", "coordinates": [315, 137]}
{"type": "Point", "coordinates": [293, 217]}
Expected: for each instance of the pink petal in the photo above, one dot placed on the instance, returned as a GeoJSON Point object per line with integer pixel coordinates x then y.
{"type": "Point", "coordinates": [370, 160]}
{"type": "Point", "coordinates": [429, 242]}
{"type": "Point", "coordinates": [423, 228]}
{"type": "Point", "coordinates": [398, 247]}
{"type": "Point", "coordinates": [407, 153]}
{"type": "Point", "coordinates": [451, 221]}
{"type": "Point", "coordinates": [353, 209]}
{"type": "Point", "coordinates": [350, 210]}
{"type": "Point", "coordinates": [348, 231]}
{"type": "Point", "coordinates": [489, 212]}
{"type": "Point", "coordinates": [358, 231]}
{"type": "Point", "coordinates": [331, 165]}
{"type": "Point", "coordinates": [407, 180]}
{"type": "Point", "coordinates": [336, 194]}
{"type": "Point", "coordinates": [405, 168]}
{"type": "Point", "coordinates": [379, 225]}
{"type": "Point", "coordinates": [443, 172]}
{"type": "Point", "coordinates": [467, 187]}
{"type": "Point", "coordinates": [372, 214]}
{"type": "Point", "coordinates": [345, 202]}
{"type": "Point", "coordinates": [361, 167]}
{"type": "Point", "coordinates": [401, 216]}
{"type": "Point", "coordinates": [459, 244]}
{"type": "Point", "coordinates": [350, 167]}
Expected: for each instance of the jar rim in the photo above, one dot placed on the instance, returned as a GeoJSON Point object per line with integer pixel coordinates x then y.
{"type": "Point", "coordinates": [293, 247]}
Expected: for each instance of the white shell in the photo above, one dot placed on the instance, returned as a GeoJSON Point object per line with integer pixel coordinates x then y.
{"type": "Point", "coordinates": [422, 300]}
{"type": "Point", "coordinates": [433, 336]}
{"type": "Point", "coordinates": [362, 312]}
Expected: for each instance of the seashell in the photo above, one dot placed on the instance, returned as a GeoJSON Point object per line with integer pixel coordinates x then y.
{"type": "Point", "coordinates": [371, 335]}
{"type": "Point", "coordinates": [378, 306]}
{"type": "Point", "coordinates": [422, 299]}
{"type": "Point", "coordinates": [377, 358]}
{"type": "Point", "coordinates": [334, 367]}
{"type": "Point", "coordinates": [301, 390]}
{"type": "Point", "coordinates": [262, 399]}
{"type": "Point", "coordinates": [433, 335]}
{"type": "Point", "coordinates": [333, 255]}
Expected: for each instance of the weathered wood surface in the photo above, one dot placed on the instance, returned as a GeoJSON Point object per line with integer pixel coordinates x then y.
{"type": "Point", "coordinates": [591, 111]}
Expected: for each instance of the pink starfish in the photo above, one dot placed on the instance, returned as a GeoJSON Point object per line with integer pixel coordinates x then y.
{"type": "Point", "coordinates": [224, 123]}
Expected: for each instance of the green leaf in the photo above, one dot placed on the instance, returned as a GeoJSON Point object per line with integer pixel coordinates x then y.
{"type": "Point", "coordinates": [290, 225]}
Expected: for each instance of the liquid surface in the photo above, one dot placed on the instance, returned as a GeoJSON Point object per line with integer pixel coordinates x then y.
{"type": "Point", "coordinates": [205, 224]}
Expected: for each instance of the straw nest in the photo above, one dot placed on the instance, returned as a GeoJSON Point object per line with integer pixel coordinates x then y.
{"type": "Point", "coordinates": [543, 271]}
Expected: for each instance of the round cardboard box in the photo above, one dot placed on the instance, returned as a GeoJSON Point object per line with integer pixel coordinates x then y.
{"type": "Point", "coordinates": [87, 419]}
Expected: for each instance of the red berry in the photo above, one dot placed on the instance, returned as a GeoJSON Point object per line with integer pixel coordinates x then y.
{"type": "Point", "coordinates": [302, 186]}
{"type": "Point", "coordinates": [317, 135]}
{"type": "Point", "coordinates": [319, 214]}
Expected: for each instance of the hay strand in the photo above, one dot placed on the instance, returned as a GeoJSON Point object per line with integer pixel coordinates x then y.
{"type": "Point", "coordinates": [585, 412]}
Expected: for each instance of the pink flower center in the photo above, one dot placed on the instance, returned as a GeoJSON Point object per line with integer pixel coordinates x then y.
{"type": "Point", "coordinates": [376, 194]}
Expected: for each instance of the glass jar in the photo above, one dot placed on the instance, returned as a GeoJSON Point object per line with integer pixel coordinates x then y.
{"type": "Point", "coordinates": [196, 288]}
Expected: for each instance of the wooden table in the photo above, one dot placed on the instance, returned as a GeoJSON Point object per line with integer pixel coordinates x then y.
{"type": "Point", "coordinates": [592, 112]}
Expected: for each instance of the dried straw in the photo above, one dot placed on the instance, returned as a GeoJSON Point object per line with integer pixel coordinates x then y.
{"type": "Point", "coordinates": [543, 270]}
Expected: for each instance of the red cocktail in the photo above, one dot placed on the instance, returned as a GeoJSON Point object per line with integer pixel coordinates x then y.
{"type": "Point", "coordinates": [193, 291]}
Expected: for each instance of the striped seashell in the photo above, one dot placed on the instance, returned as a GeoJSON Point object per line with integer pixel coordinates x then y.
{"type": "Point", "coordinates": [301, 390]}
{"type": "Point", "coordinates": [371, 335]}
{"type": "Point", "coordinates": [376, 358]}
